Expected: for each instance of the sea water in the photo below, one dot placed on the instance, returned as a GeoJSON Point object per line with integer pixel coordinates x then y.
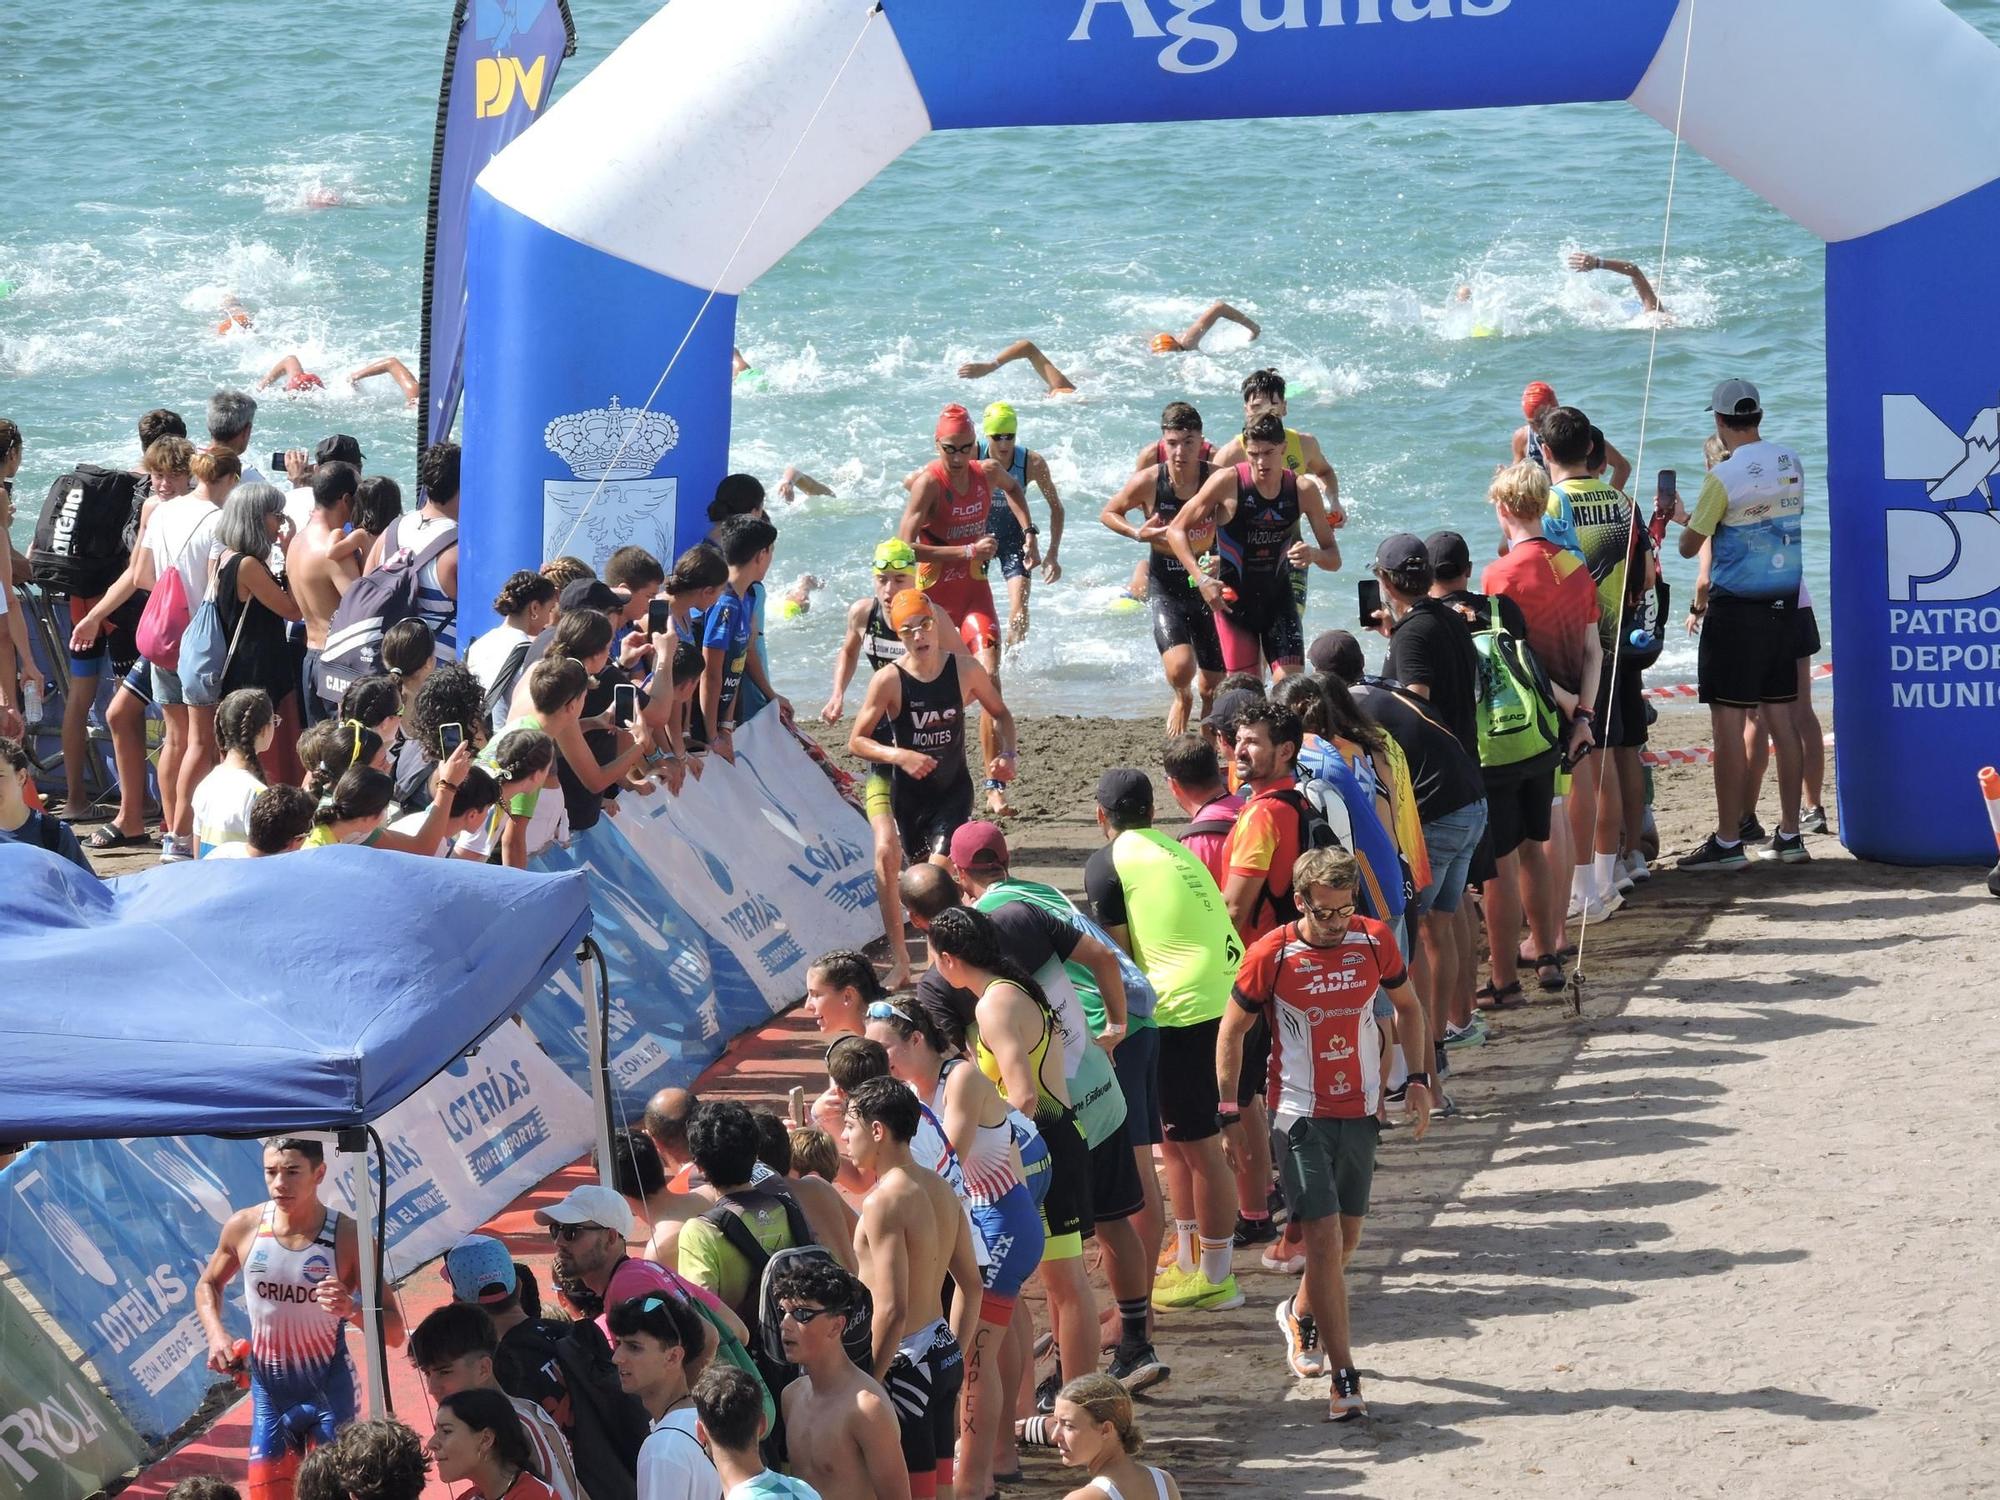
{"type": "Point", "coordinates": [159, 158]}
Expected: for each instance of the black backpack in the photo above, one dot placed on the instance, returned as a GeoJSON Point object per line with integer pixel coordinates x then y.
{"type": "Point", "coordinates": [84, 537]}
{"type": "Point", "coordinates": [372, 603]}
{"type": "Point", "coordinates": [1315, 832]}
{"type": "Point", "coordinates": [606, 1425]}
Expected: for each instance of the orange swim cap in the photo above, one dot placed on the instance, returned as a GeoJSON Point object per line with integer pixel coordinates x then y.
{"type": "Point", "coordinates": [1166, 343]}
{"type": "Point", "coordinates": [910, 604]}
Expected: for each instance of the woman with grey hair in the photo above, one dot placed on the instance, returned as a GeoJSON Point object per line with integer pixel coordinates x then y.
{"type": "Point", "coordinates": [252, 606]}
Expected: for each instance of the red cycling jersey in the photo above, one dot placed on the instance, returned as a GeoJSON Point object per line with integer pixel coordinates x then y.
{"type": "Point", "coordinates": [1326, 1050]}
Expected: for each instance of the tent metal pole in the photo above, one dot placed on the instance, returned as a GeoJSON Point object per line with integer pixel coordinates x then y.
{"type": "Point", "coordinates": [355, 1143]}
{"type": "Point", "coordinates": [597, 1033]}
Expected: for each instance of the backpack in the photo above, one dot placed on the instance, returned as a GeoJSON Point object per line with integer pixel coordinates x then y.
{"type": "Point", "coordinates": [1516, 712]}
{"type": "Point", "coordinates": [493, 706]}
{"type": "Point", "coordinates": [606, 1426]}
{"type": "Point", "coordinates": [1315, 832]}
{"type": "Point", "coordinates": [372, 603]}
{"type": "Point", "coordinates": [83, 539]}
{"type": "Point", "coordinates": [205, 649]}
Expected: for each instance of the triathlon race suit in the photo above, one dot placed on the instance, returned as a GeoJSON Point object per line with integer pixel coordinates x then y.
{"type": "Point", "coordinates": [1251, 547]}
{"type": "Point", "coordinates": [923, 1382]}
{"type": "Point", "coordinates": [302, 1385]}
{"type": "Point", "coordinates": [967, 599]}
{"type": "Point", "coordinates": [881, 645]}
{"type": "Point", "coordinates": [1000, 522]}
{"type": "Point", "coordinates": [1180, 617]}
{"type": "Point", "coordinates": [1003, 1211]}
{"type": "Point", "coordinates": [1295, 463]}
{"type": "Point", "coordinates": [931, 719]}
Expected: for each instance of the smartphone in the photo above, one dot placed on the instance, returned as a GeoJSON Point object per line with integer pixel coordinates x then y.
{"type": "Point", "coordinates": [450, 737]}
{"type": "Point", "coordinates": [1669, 482]}
{"type": "Point", "coordinates": [624, 703]}
{"type": "Point", "coordinates": [278, 462]}
{"type": "Point", "coordinates": [658, 617]}
{"type": "Point", "coordinates": [1370, 590]}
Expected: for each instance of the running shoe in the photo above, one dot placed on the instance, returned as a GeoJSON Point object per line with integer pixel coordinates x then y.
{"type": "Point", "coordinates": [1472, 1034]}
{"type": "Point", "coordinates": [175, 849]}
{"type": "Point", "coordinates": [1814, 821]}
{"type": "Point", "coordinates": [1346, 1405]}
{"type": "Point", "coordinates": [1137, 1369]}
{"type": "Point", "coordinates": [1168, 1275]}
{"type": "Point", "coordinates": [1750, 829]}
{"type": "Point", "coordinates": [1254, 1232]}
{"type": "Point", "coordinates": [1786, 848]}
{"type": "Point", "coordinates": [1713, 855]}
{"type": "Point", "coordinates": [1637, 868]}
{"type": "Point", "coordinates": [1302, 1350]}
{"type": "Point", "coordinates": [1045, 1392]}
{"type": "Point", "coordinates": [1275, 1259]}
{"type": "Point", "coordinates": [1624, 879]}
{"type": "Point", "coordinates": [1600, 908]}
{"type": "Point", "coordinates": [1196, 1293]}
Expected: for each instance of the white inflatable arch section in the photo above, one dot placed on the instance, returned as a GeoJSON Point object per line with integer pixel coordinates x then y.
{"type": "Point", "coordinates": [724, 131]}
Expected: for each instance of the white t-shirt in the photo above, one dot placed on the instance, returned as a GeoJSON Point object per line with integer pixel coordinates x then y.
{"type": "Point", "coordinates": [222, 808]}
{"type": "Point", "coordinates": [180, 536]}
{"type": "Point", "coordinates": [672, 1465]}
{"type": "Point", "coordinates": [299, 507]}
{"type": "Point", "coordinates": [485, 658]}
{"type": "Point", "coordinates": [412, 823]}
{"type": "Point", "coordinates": [230, 851]}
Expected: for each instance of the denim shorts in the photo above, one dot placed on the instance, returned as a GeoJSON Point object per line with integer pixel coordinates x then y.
{"type": "Point", "coordinates": [167, 691]}
{"type": "Point", "coordinates": [1451, 841]}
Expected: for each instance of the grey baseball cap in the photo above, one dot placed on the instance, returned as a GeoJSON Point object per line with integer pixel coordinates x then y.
{"type": "Point", "coordinates": [1736, 398]}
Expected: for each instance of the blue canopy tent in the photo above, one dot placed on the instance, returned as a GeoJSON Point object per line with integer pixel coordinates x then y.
{"type": "Point", "coordinates": [260, 996]}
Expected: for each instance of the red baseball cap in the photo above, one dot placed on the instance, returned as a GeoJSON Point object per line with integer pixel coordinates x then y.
{"type": "Point", "coordinates": [1539, 393]}
{"type": "Point", "coordinates": [979, 843]}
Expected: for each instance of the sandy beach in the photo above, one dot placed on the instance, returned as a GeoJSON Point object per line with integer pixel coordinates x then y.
{"type": "Point", "coordinates": [1723, 1233]}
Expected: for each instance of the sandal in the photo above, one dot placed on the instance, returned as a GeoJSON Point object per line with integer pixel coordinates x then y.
{"type": "Point", "coordinates": [108, 837]}
{"type": "Point", "coordinates": [1546, 963]}
{"type": "Point", "coordinates": [1486, 997]}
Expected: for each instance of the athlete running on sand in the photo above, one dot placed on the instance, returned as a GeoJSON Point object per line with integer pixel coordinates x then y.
{"type": "Point", "coordinates": [869, 630]}
{"type": "Point", "coordinates": [1264, 392]}
{"type": "Point", "coordinates": [1183, 626]}
{"type": "Point", "coordinates": [1020, 552]}
{"type": "Point", "coordinates": [922, 701]}
{"type": "Point", "coordinates": [945, 521]}
{"type": "Point", "coordinates": [1255, 507]}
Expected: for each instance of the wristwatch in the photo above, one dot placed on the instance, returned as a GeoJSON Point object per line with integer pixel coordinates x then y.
{"type": "Point", "coordinates": [1423, 1078]}
{"type": "Point", "coordinates": [1228, 1113]}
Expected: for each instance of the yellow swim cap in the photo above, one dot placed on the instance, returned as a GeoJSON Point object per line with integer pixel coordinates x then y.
{"type": "Point", "coordinates": [895, 556]}
{"type": "Point", "coordinates": [999, 420]}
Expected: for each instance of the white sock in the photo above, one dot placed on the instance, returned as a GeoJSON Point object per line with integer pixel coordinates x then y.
{"type": "Point", "coordinates": [1583, 883]}
{"type": "Point", "coordinates": [1184, 1237]}
{"type": "Point", "coordinates": [1606, 876]}
{"type": "Point", "coordinates": [1215, 1260]}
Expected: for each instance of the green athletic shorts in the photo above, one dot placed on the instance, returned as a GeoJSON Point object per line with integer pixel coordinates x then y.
{"type": "Point", "coordinates": [1328, 1166]}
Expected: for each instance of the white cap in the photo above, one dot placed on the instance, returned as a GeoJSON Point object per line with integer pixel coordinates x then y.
{"type": "Point", "coordinates": [592, 1204]}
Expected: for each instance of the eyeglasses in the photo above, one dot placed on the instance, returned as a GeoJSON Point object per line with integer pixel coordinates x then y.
{"type": "Point", "coordinates": [951, 448]}
{"type": "Point", "coordinates": [1327, 913]}
{"type": "Point", "coordinates": [803, 1315]}
{"type": "Point", "coordinates": [916, 627]}
{"type": "Point", "coordinates": [563, 1234]}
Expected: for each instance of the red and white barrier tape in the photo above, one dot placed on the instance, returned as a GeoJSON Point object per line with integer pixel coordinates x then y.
{"type": "Point", "coordinates": [1689, 690]}
{"type": "Point", "coordinates": [1693, 755]}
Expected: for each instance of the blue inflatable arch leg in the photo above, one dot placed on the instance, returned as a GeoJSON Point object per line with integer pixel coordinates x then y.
{"type": "Point", "coordinates": [716, 138]}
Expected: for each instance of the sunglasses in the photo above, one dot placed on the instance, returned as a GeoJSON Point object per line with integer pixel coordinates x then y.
{"type": "Point", "coordinates": [563, 1234]}
{"type": "Point", "coordinates": [887, 1010]}
{"type": "Point", "coordinates": [1327, 913]}
{"type": "Point", "coordinates": [958, 447]}
{"type": "Point", "coordinates": [803, 1315]}
{"type": "Point", "coordinates": [916, 627]}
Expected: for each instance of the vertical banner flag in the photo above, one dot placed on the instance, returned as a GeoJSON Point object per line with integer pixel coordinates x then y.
{"type": "Point", "coordinates": [59, 1438]}
{"type": "Point", "coordinates": [499, 71]}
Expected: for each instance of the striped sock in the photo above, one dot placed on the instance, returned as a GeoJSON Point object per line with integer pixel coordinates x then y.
{"type": "Point", "coordinates": [1215, 1259]}
{"type": "Point", "coordinates": [1184, 1237]}
{"type": "Point", "coordinates": [1132, 1314]}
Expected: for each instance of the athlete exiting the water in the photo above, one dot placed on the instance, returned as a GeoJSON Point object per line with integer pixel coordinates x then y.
{"type": "Point", "coordinates": [922, 701]}
{"type": "Point", "coordinates": [946, 522]}
{"type": "Point", "coordinates": [1189, 339]}
{"type": "Point", "coordinates": [1538, 399]}
{"type": "Point", "coordinates": [1255, 507]}
{"type": "Point", "coordinates": [1020, 552]}
{"type": "Point", "coordinates": [301, 1265]}
{"type": "Point", "coordinates": [869, 631]}
{"type": "Point", "coordinates": [1264, 392]}
{"type": "Point", "coordinates": [1183, 625]}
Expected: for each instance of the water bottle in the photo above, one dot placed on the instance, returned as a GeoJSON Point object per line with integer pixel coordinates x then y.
{"type": "Point", "coordinates": [31, 700]}
{"type": "Point", "coordinates": [1640, 639]}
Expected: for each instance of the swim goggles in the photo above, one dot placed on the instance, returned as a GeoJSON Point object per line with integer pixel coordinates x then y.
{"type": "Point", "coordinates": [895, 556]}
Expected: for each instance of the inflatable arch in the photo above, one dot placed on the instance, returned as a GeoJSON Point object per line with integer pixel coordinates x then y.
{"type": "Point", "coordinates": [723, 131]}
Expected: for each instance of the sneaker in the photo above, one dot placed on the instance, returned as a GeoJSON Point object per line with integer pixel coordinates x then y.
{"type": "Point", "coordinates": [1137, 1369]}
{"type": "Point", "coordinates": [1302, 1350]}
{"type": "Point", "coordinates": [1275, 1259]}
{"type": "Point", "coordinates": [1045, 1392]}
{"type": "Point", "coordinates": [1787, 848]}
{"type": "Point", "coordinates": [1169, 1274]}
{"type": "Point", "coordinates": [1637, 868]}
{"type": "Point", "coordinates": [1713, 856]}
{"type": "Point", "coordinates": [174, 849]}
{"type": "Point", "coordinates": [1196, 1293]}
{"type": "Point", "coordinates": [1254, 1232]}
{"type": "Point", "coordinates": [1472, 1034]}
{"type": "Point", "coordinates": [1814, 821]}
{"type": "Point", "coordinates": [1624, 879]}
{"type": "Point", "coordinates": [1750, 829]}
{"type": "Point", "coordinates": [1601, 908]}
{"type": "Point", "coordinates": [1346, 1404]}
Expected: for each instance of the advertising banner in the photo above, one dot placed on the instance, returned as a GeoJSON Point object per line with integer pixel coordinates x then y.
{"type": "Point", "coordinates": [59, 1438]}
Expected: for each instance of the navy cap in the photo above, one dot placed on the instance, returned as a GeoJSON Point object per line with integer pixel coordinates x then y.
{"type": "Point", "coordinates": [1125, 793]}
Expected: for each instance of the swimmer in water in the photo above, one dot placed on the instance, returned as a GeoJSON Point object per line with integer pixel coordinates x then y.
{"type": "Point", "coordinates": [1648, 301]}
{"type": "Point", "coordinates": [796, 481]}
{"type": "Point", "coordinates": [298, 379]}
{"type": "Point", "coordinates": [738, 365]}
{"type": "Point", "coordinates": [395, 369]}
{"type": "Point", "coordinates": [234, 316]}
{"type": "Point", "coordinates": [1058, 383]}
{"type": "Point", "coordinates": [323, 197]}
{"type": "Point", "coordinates": [797, 599]}
{"type": "Point", "coordinates": [1189, 339]}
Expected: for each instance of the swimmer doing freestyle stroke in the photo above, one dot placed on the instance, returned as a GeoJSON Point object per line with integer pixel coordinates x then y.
{"type": "Point", "coordinates": [945, 521]}
{"type": "Point", "coordinates": [1183, 626]}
